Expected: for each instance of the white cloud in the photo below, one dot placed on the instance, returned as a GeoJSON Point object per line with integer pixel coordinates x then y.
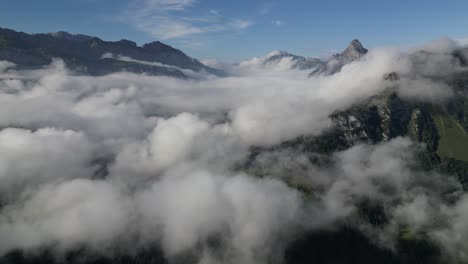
{"type": "Point", "coordinates": [167, 5]}
{"type": "Point", "coordinates": [172, 148]}
{"type": "Point", "coordinates": [5, 65]}
{"type": "Point", "coordinates": [69, 214]}
{"type": "Point", "coordinates": [241, 23]}
{"type": "Point", "coordinates": [424, 90]}
{"type": "Point", "coordinates": [462, 41]}
{"type": "Point", "coordinates": [440, 45]}
{"type": "Point", "coordinates": [31, 158]}
{"type": "Point", "coordinates": [266, 9]}
{"type": "Point", "coordinates": [277, 22]}
{"type": "Point", "coordinates": [163, 27]}
{"type": "Point", "coordinates": [168, 19]}
{"type": "Point", "coordinates": [206, 204]}
{"type": "Point", "coordinates": [215, 12]}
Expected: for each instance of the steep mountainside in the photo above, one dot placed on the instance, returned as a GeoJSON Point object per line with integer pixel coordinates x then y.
{"type": "Point", "coordinates": [84, 54]}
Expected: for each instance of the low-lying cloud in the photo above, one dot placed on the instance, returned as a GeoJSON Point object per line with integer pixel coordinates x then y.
{"type": "Point", "coordinates": [126, 159]}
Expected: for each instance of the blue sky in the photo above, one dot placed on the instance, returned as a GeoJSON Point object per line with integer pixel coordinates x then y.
{"type": "Point", "coordinates": [235, 30]}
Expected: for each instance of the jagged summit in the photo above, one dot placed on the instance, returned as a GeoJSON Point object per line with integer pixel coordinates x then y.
{"type": "Point", "coordinates": [356, 45]}
{"type": "Point", "coordinates": [354, 50]}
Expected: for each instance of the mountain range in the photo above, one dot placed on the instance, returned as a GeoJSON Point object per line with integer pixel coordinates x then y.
{"type": "Point", "coordinates": [84, 54]}
{"type": "Point", "coordinates": [283, 61]}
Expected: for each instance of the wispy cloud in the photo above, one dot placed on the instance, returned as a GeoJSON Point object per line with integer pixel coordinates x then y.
{"type": "Point", "coordinates": [215, 12]}
{"type": "Point", "coordinates": [168, 19]}
{"type": "Point", "coordinates": [153, 5]}
{"type": "Point", "coordinates": [167, 28]}
{"type": "Point", "coordinates": [277, 22]}
{"type": "Point", "coordinates": [241, 23]}
{"type": "Point", "coordinates": [266, 9]}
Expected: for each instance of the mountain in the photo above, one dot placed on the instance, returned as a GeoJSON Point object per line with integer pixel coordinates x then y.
{"type": "Point", "coordinates": [442, 127]}
{"type": "Point", "coordinates": [353, 52]}
{"type": "Point", "coordinates": [68, 36]}
{"type": "Point", "coordinates": [84, 54]}
{"type": "Point", "coordinates": [282, 60]}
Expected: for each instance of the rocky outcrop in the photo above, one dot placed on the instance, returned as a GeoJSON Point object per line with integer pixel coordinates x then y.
{"type": "Point", "coordinates": [354, 51]}
{"type": "Point", "coordinates": [387, 120]}
{"type": "Point", "coordinates": [382, 118]}
{"type": "Point", "coordinates": [359, 126]}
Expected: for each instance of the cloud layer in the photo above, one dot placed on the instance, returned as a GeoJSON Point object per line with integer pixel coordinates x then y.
{"type": "Point", "coordinates": [125, 159]}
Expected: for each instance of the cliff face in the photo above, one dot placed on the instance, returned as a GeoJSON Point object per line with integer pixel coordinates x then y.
{"type": "Point", "coordinates": [386, 117]}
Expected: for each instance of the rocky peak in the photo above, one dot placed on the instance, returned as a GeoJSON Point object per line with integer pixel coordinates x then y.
{"type": "Point", "coordinates": [354, 50]}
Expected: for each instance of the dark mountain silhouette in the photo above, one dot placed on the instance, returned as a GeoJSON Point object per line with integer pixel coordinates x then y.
{"type": "Point", "coordinates": [84, 54]}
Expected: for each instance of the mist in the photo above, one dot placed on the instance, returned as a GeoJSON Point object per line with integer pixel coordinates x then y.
{"type": "Point", "coordinates": [122, 162]}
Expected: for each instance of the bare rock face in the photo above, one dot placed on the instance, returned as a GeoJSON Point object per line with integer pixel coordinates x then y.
{"type": "Point", "coordinates": [385, 117]}
{"type": "Point", "coordinates": [359, 126]}
{"type": "Point", "coordinates": [353, 52]}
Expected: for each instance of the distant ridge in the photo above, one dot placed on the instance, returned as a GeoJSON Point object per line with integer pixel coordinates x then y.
{"type": "Point", "coordinates": [84, 54]}
{"type": "Point", "coordinates": [282, 60]}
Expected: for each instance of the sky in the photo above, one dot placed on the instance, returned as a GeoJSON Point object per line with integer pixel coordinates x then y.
{"type": "Point", "coordinates": [235, 30]}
